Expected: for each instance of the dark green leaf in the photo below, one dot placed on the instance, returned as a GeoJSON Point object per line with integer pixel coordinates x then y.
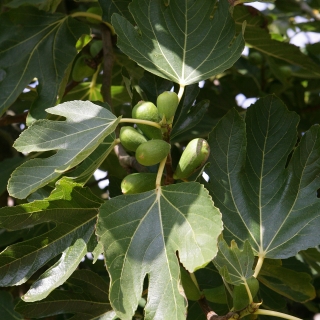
{"type": "Point", "coordinates": [273, 206]}
{"type": "Point", "coordinates": [86, 297]}
{"type": "Point", "coordinates": [7, 307]}
{"type": "Point", "coordinates": [48, 45]}
{"type": "Point", "coordinates": [71, 208]}
{"type": "Point", "coordinates": [46, 5]}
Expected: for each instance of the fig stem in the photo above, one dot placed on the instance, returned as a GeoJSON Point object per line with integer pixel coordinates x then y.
{"type": "Point", "coordinates": [259, 265]}
{"type": "Point", "coordinates": [160, 172]}
{"type": "Point", "coordinates": [194, 280]}
{"type": "Point", "coordinates": [181, 91]}
{"type": "Point", "coordinates": [248, 291]}
{"type": "Point", "coordinates": [93, 16]}
{"type": "Point", "coordinates": [276, 314]}
{"type": "Point", "coordinates": [140, 121]}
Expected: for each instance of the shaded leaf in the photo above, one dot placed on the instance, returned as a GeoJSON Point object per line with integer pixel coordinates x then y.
{"type": "Point", "coordinates": [7, 167]}
{"type": "Point", "coordinates": [58, 273]}
{"type": "Point", "coordinates": [153, 86]}
{"type": "Point", "coordinates": [142, 234]}
{"type": "Point", "coordinates": [86, 126]}
{"type": "Point", "coordinates": [88, 293]}
{"type": "Point", "coordinates": [312, 257]}
{"type": "Point", "coordinates": [258, 37]}
{"type": "Point", "coordinates": [289, 283]}
{"type": "Point", "coordinates": [188, 115]}
{"type": "Point", "coordinates": [180, 42]}
{"type": "Point", "coordinates": [71, 208]}
{"type": "Point", "coordinates": [234, 265]}
{"type": "Point", "coordinates": [48, 45]}
{"type": "Point", "coordinates": [109, 7]}
{"type": "Point", "coordinates": [7, 307]}
{"type": "Point", "coordinates": [262, 199]}
{"type": "Point", "coordinates": [46, 5]}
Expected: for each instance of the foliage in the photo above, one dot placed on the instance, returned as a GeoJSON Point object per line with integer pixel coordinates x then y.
{"type": "Point", "coordinates": [235, 235]}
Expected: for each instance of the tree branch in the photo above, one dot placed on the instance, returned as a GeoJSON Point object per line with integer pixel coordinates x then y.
{"type": "Point", "coordinates": [108, 60]}
{"type": "Point", "coordinates": [8, 119]}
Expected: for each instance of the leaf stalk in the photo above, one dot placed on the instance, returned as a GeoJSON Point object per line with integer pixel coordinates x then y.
{"type": "Point", "coordinates": [147, 122]}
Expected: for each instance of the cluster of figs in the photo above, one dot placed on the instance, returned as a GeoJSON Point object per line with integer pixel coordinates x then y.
{"type": "Point", "coordinates": [150, 148]}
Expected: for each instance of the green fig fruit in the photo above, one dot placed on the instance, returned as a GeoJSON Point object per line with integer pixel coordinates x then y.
{"type": "Point", "coordinates": [130, 138]}
{"type": "Point", "coordinates": [97, 11]}
{"type": "Point", "coordinates": [145, 110]}
{"type": "Point", "coordinates": [152, 152]}
{"type": "Point", "coordinates": [240, 294]}
{"type": "Point", "coordinates": [167, 103]}
{"type": "Point", "coordinates": [193, 158]}
{"type": "Point", "coordinates": [81, 69]}
{"type": "Point", "coordinates": [95, 47]}
{"type": "Point", "coordinates": [138, 182]}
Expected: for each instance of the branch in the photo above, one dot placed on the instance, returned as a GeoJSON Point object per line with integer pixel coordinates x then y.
{"type": "Point", "coordinates": [211, 315]}
{"type": "Point", "coordinates": [306, 8]}
{"type": "Point", "coordinates": [8, 119]}
{"type": "Point", "coordinates": [108, 60]}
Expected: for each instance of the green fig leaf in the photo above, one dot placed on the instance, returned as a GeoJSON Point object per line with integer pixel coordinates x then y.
{"type": "Point", "coordinates": [85, 128]}
{"type": "Point", "coordinates": [48, 45]}
{"type": "Point", "coordinates": [88, 293]}
{"type": "Point", "coordinates": [234, 264]}
{"type": "Point", "coordinates": [181, 41]}
{"type": "Point", "coordinates": [71, 208]}
{"type": "Point", "coordinates": [143, 234]}
{"type": "Point", "coordinates": [266, 191]}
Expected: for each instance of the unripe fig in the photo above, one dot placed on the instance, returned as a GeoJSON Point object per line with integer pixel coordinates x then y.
{"type": "Point", "coordinates": [81, 70]}
{"type": "Point", "coordinates": [152, 152]}
{"type": "Point", "coordinates": [145, 110]}
{"type": "Point", "coordinates": [167, 103]}
{"type": "Point", "coordinates": [130, 138]}
{"type": "Point", "coordinates": [193, 157]}
{"type": "Point", "coordinates": [95, 47]}
{"type": "Point", "coordinates": [255, 57]}
{"type": "Point", "coordinates": [95, 10]}
{"type": "Point", "coordinates": [138, 182]}
{"type": "Point", "coordinates": [240, 294]}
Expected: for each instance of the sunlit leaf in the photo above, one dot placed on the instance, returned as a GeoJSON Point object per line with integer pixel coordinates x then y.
{"type": "Point", "coordinates": [144, 233]}
{"type": "Point", "coordinates": [86, 126]}
{"type": "Point", "coordinates": [71, 208]}
{"type": "Point", "coordinates": [180, 42]}
{"type": "Point", "coordinates": [58, 273]}
{"type": "Point", "coordinates": [263, 198]}
{"type": "Point", "coordinates": [88, 293]}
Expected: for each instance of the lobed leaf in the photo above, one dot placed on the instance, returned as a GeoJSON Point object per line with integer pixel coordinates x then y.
{"type": "Point", "coordinates": [234, 264]}
{"type": "Point", "coordinates": [262, 197]}
{"type": "Point", "coordinates": [143, 234]}
{"type": "Point", "coordinates": [180, 41]}
{"type": "Point", "coordinates": [85, 128]}
{"type": "Point", "coordinates": [48, 45]}
{"type": "Point", "coordinates": [85, 296]}
{"type": "Point", "coordinates": [71, 208]}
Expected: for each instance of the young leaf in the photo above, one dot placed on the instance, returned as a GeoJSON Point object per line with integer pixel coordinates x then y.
{"type": "Point", "coordinates": [48, 45]}
{"type": "Point", "coordinates": [86, 297]}
{"type": "Point", "coordinates": [58, 273]}
{"type": "Point", "coordinates": [71, 208]}
{"type": "Point", "coordinates": [180, 42]}
{"type": "Point", "coordinates": [289, 283]}
{"type": "Point", "coordinates": [86, 126]}
{"type": "Point", "coordinates": [234, 264]}
{"type": "Point", "coordinates": [262, 198]}
{"type": "Point", "coordinates": [143, 234]}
